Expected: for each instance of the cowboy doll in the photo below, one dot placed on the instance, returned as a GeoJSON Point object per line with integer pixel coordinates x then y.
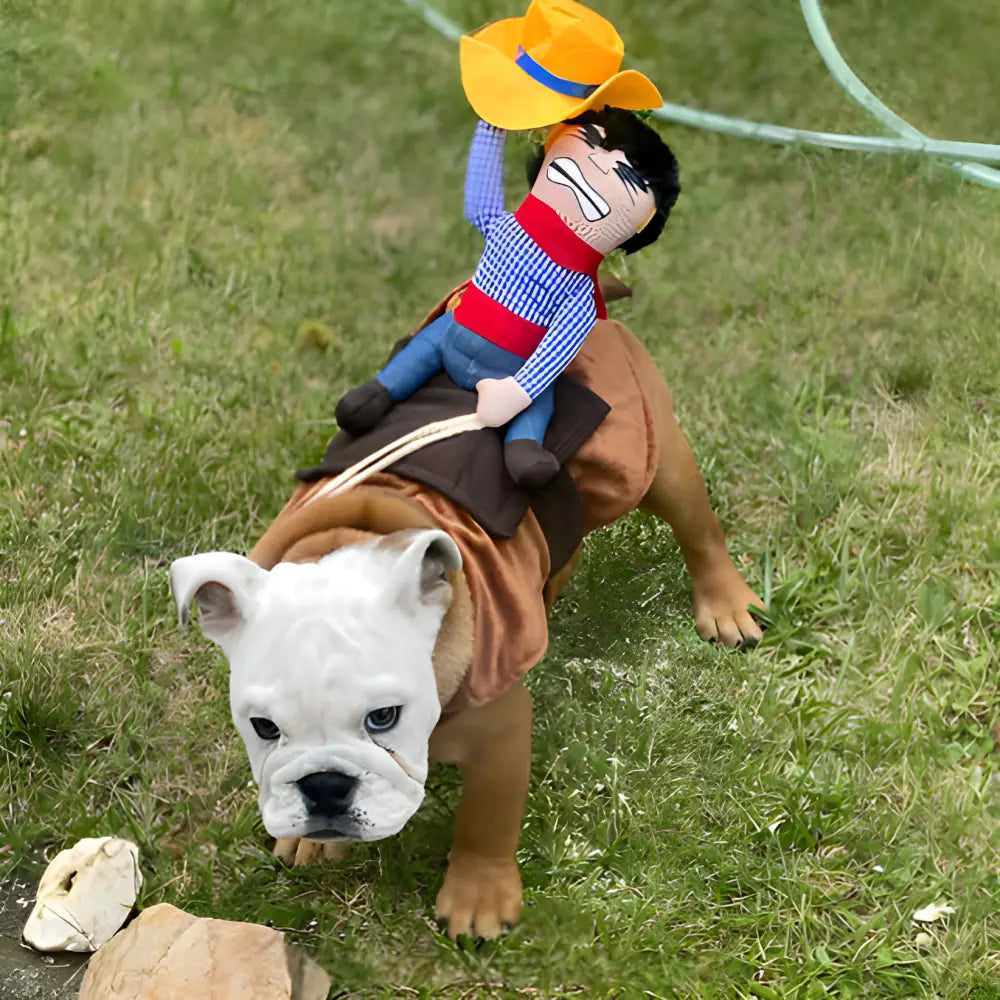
{"type": "Point", "coordinates": [604, 181]}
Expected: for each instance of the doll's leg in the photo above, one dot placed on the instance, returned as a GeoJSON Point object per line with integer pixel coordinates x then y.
{"type": "Point", "coordinates": [363, 407]}
{"type": "Point", "coordinates": [417, 362]}
{"type": "Point", "coordinates": [532, 423]}
{"type": "Point", "coordinates": [529, 463]}
{"type": "Point", "coordinates": [468, 357]}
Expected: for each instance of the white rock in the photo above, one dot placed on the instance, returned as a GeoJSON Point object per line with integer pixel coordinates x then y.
{"type": "Point", "coordinates": [85, 895]}
{"type": "Point", "coordinates": [933, 912]}
{"type": "Point", "coordinates": [924, 941]}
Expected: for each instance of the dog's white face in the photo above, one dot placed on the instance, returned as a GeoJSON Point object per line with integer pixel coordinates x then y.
{"type": "Point", "coordinates": [331, 682]}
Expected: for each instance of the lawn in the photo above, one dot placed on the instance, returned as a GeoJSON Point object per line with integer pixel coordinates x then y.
{"type": "Point", "coordinates": [217, 216]}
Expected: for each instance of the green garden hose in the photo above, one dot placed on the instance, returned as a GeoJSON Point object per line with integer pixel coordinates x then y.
{"type": "Point", "coordinates": [848, 79]}
{"type": "Point", "coordinates": [911, 139]}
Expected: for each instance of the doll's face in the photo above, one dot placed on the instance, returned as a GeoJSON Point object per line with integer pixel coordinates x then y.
{"type": "Point", "coordinates": [596, 191]}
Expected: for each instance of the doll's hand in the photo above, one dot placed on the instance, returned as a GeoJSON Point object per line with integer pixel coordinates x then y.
{"type": "Point", "coordinates": [500, 400]}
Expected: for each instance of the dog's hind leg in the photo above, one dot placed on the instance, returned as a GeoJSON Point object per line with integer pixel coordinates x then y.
{"type": "Point", "coordinates": [678, 496]}
{"type": "Point", "coordinates": [491, 745]}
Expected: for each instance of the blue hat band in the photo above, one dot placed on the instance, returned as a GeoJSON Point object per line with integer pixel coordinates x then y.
{"type": "Point", "coordinates": [538, 73]}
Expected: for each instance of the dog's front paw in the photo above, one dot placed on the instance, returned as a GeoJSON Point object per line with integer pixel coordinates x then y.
{"type": "Point", "coordinates": [479, 895]}
{"type": "Point", "coordinates": [721, 602]}
{"type": "Point", "coordinates": [297, 852]}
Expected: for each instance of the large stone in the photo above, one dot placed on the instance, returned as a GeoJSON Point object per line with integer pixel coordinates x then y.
{"type": "Point", "coordinates": [167, 954]}
{"type": "Point", "coordinates": [85, 895]}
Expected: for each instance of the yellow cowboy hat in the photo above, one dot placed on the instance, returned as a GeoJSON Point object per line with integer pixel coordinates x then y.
{"type": "Point", "coordinates": [554, 63]}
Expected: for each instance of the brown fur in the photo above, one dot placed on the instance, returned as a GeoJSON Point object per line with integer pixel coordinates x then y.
{"type": "Point", "coordinates": [491, 743]}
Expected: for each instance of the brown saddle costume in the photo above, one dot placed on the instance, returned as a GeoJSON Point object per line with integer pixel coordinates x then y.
{"type": "Point", "coordinates": [511, 543]}
{"type": "Point", "coordinates": [469, 468]}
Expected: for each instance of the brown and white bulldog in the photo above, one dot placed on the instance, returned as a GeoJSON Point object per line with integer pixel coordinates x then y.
{"type": "Point", "coordinates": [373, 632]}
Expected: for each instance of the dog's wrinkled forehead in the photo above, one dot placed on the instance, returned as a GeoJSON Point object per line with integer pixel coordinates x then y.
{"type": "Point", "coordinates": [326, 639]}
{"type": "Point", "coordinates": [370, 601]}
{"type": "Point", "coordinates": [354, 577]}
{"type": "Point", "coordinates": [345, 603]}
{"type": "Point", "coordinates": [338, 595]}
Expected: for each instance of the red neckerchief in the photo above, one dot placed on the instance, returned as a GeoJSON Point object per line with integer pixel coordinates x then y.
{"type": "Point", "coordinates": [546, 227]}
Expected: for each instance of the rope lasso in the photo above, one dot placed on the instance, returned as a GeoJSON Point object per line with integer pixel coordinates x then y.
{"type": "Point", "coordinates": [431, 433]}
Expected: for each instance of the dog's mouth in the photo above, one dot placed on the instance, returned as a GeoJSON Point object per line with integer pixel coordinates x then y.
{"type": "Point", "coordinates": [328, 835]}
{"type": "Point", "coordinates": [567, 173]}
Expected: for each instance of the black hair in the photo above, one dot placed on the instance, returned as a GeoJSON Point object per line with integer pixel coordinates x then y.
{"type": "Point", "coordinates": [649, 155]}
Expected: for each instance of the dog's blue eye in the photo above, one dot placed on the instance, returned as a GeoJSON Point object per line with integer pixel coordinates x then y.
{"type": "Point", "coordinates": [265, 729]}
{"type": "Point", "coordinates": [382, 719]}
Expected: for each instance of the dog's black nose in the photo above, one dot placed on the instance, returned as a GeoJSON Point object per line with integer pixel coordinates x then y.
{"type": "Point", "coordinates": [327, 792]}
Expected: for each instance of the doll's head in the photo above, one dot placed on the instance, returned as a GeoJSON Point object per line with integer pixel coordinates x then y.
{"type": "Point", "coordinates": [610, 177]}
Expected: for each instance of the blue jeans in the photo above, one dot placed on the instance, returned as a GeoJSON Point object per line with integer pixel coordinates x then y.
{"type": "Point", "coordinates": [467, 358]}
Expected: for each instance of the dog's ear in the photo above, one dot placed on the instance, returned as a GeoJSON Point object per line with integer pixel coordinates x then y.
{"type": "Point", "coordinates": [420, 573]}
{"type": "Point", "coordinates": [223, 585]}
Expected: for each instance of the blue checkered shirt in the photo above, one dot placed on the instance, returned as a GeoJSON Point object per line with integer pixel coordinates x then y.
{"type": "Point", "coordinates": [517, 273]}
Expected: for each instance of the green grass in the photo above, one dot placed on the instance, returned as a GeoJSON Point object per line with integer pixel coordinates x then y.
{"type": "Point", "coordinates": [184, 185]}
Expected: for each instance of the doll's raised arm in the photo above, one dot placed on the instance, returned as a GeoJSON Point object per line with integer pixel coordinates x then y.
{"type": "Point", "coordinates": [484, 176]}
{"type": "Point", "coordinates": [573, 320]}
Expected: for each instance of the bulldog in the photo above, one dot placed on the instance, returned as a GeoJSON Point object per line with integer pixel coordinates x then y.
{"type": "Point", "coordinates": [374, 632]}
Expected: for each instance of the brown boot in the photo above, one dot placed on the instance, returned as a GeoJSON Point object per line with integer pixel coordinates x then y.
{"type": "Point", "coordinates": [363, 407]}
{"type": "Point", "coordinates": [529, 464]}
